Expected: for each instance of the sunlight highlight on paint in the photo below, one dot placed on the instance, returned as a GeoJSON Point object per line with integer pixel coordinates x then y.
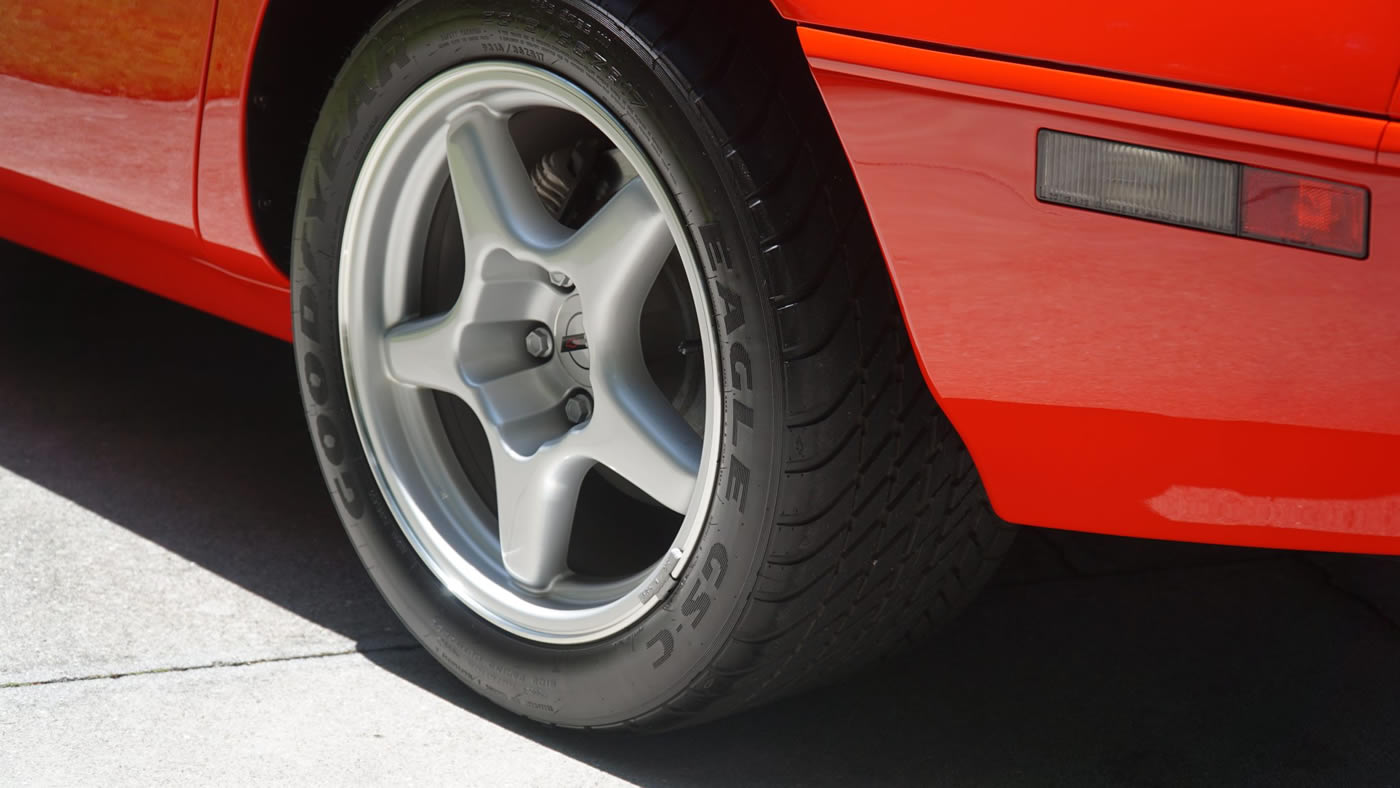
{"type": "Point", "coordinates": [1228, 507]}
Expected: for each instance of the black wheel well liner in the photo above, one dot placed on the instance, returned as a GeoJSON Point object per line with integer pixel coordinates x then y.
{"type": "Point", "coordinates": [300, 49]}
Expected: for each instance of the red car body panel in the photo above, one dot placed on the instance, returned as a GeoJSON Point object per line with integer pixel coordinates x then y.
{"type": "Point", "coordinates": [1108, 374]}
{"type": "Point", "coordinates": [116, 121]}
{"type": "Point", "coordinates": [1389, 153]}
{"type": "Point", "coordinates": [102, 113]}
{"type": "Point", "coordinates": [1344, 54]}
{"type": "Point", "coordinates": [225, 216]}
{"type": "Point", "coordinates": [1122, 376]}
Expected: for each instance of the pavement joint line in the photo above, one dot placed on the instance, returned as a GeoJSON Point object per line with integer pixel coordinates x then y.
{"type": "Point", "coordinates": [210, 665]}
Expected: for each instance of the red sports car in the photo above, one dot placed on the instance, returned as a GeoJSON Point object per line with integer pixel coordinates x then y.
{"type": "Point", "coordinates": [664, 356]}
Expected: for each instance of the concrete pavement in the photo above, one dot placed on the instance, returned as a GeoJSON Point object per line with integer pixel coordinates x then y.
{"type": "Point", "coordinates": [179, 605]}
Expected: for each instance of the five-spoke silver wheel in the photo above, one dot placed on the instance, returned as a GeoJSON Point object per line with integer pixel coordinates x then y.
{"type": "Point", "coordinates": [550, 338]}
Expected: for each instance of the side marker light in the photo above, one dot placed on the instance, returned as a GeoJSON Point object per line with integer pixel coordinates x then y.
{"type": "Point", "coordinates": [1203, 193]}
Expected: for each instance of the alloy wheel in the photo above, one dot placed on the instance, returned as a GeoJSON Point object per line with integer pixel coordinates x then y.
{"type": "Point", "coordinates": [529, 370]}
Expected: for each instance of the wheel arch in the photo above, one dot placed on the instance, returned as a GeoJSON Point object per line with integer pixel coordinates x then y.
{"type": "Point", "coordinates": [290, 74]}
{"type": "Point", "coordinates": [289, 77]}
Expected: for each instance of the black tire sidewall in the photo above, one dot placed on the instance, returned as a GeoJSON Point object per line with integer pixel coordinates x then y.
{"type": "Point", "coordinates": [623, 678]}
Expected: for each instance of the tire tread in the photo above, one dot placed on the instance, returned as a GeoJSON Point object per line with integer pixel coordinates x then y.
{"type": "Point", "coordinates": [884, 530]}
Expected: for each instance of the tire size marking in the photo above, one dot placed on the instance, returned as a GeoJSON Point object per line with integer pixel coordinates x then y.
{"type": "Point", "coordinates": [515, 50]}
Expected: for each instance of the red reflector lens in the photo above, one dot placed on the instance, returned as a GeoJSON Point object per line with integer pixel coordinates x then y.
{"type": "Point", "coordinates": [1291, 209]}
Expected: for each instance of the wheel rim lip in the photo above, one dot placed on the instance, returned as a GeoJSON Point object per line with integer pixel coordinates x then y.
{"type": "Point", "coordinates": [568, 614]}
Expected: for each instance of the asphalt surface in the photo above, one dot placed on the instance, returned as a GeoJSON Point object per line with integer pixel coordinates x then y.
{"type": "Point", "coordinates": [179, 604]}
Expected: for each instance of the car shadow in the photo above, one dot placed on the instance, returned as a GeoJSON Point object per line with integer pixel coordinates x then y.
{"type": "Point", "coordinates": [1091, 660]}
{"type": "Point", "coordinates": [183, 429]}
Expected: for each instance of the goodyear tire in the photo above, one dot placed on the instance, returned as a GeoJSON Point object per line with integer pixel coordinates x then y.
{"type": "Point", "coordinates": [836, 514]}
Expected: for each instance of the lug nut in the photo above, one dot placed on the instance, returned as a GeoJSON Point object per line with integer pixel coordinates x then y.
{"type": "Point", "coordinates": [558, 279]}
{"type": "Point", "coordinates": [578, 407]}
{"type": "Point", "coordinates": [539, 342]}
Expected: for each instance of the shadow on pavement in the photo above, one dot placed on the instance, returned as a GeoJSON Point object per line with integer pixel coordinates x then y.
{"type": "Point", "coordinates": [182, 428]}
{"type": "Point", "coordinates": [1092, 660]}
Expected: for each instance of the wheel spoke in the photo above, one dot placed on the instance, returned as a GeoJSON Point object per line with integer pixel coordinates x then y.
{"type": "Point", "coordinates": [423, 352]}
{"type": "Point", "coordinates": [492, 296]}
{"type": "Point", "coordinates": [615, 257]}
{"type": "Point", "coordinates": [640, 436]}
{"type": "Point", "coordinates": [523, 409]}
{"type": "Point", "coordinates": [535, 501]}
{"type": "Point", "coordinates": [496, 202]}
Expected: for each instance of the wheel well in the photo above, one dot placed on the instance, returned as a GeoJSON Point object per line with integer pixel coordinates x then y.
{"type": "Point", "coordinates": [299, 51]}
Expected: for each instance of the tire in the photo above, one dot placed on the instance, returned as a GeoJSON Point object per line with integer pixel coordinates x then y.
{"type": "Point", "coordinates": [842, 516]}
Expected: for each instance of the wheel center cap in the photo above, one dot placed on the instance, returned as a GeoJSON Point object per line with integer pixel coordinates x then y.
{"type": "Point", "coordinates": [572, 341]}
